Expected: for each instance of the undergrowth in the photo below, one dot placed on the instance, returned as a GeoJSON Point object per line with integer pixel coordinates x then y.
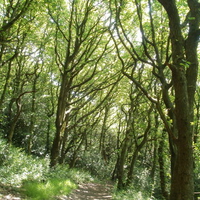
{"type": "Point", "coordinates": [16, 166]}
{"type": "Point", "coordinates": [38, 182]}
{"type": "Point", "coordinates": [130, 194]}
{"type": "Point", "coordinates": [33, 175]}
{"type": "Point", "coordinates": [49, 189]}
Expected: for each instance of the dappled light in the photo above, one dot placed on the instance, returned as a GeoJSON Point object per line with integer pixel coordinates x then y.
{"type": "Point", "coordinates": [99, 99]}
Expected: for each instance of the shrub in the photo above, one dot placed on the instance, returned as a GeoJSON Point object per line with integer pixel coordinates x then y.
{"type": "Point", "coordinates": [129, 194]}
{"type": "Point", "coordinates": [92, 161]}
{"type": "Point", "coordinates": [16, 166]}
{"type": "Point", "coordinates": [78, 176]}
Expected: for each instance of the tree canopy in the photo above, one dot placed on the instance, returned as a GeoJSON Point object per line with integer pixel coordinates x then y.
{"type": "Point", "coordinates": [108, 86]}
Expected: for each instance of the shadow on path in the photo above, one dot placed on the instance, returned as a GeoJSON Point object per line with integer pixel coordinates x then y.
{"type": "Point", "coordinates": [92, 191]}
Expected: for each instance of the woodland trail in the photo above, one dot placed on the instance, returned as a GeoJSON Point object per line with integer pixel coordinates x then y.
{"type": "Point", "coordinates": [8, 193]}
{"type": "Point", "coordinates": [90, 191]}
{"type": "Point", "coordinates": [85, 191]}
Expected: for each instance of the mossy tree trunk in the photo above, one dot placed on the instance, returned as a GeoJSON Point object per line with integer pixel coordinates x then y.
{"type": "Point", "coordinates": [184, 69]}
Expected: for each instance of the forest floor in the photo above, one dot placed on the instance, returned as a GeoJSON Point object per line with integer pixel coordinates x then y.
{"type": "Point", "coordinates": [90, 191]}
{"type": "Point", "coordinates": [9, 193]}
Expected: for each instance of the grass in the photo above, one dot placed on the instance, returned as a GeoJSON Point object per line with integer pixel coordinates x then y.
{"type": "Point", "coordinates": [53, 183]}
{"type": "Point", "coordinates": [130, 194]}
{"type": "Point", "coordinates": [16, 166]}
{"type": "Point", "coordinates": [35, 190]}
{"type": "Point", "coordinates": [32, 176]}
{"type": "Point", "coordinates": [76, 175]}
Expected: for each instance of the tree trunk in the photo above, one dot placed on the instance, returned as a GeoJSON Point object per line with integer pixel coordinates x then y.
{"type": "Point", "coordinates": [55, 149]}
{"type": "Point", "coordinates": [75, 153]}
{"type": "Point", "coordinates": [184, 69]}
{"type": "Point", "coordinates": [5, 87]}
{"type": "Point", "coordinates": [162, 169]}
{"type": "Point", "coordinates": [122, 159]}
{"type": "Point", "coordinates": [60, 120]}
{"type": "Point", "coordinates": [63, 142]}
{"type": "Point", "coordinates": [182, 173]}
{"type": "Point", "coordinates": [131, 170]}
{"type": "Point", "coordinates": [14, 121]}
{"type": "Point", "coordinates": [32, 118]}
{"type": "Point", "coordinates": [138, 147]}
{"type": "Point", "coordinates": [102, 148]}
{"type": "Point", "coordinates": [47, 147]}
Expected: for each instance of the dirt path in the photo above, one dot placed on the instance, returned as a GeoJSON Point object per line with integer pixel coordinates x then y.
{"type": "Point", "coordinates": [92, 191]}
{"type": "Point", "coordinates": [8, 193]}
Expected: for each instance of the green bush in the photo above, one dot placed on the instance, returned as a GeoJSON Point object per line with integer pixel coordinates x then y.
{"type": "Point", "coordinates": [130, 194]}
{"type": "Point", "coordinates": [34, 177]}
{"type": "Point", "coordinates": [16, 166]}
{"type": "Point", "coordinates": [92, 161]}
{"type": "Point", "coordinates": [78, 176]}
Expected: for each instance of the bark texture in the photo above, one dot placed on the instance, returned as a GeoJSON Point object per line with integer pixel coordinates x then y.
{"type": "Point", "coordinates": [184, 69]}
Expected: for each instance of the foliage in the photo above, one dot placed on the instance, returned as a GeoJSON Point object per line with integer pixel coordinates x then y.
{"type": "Point", "coordinates": [33, 176]}
{"type": "Point", "coordinates": [197, 167]}
{"type": "Point", "coordinates": [49, 189]}
{"type": "Point", "coordinates": [16, 166]}
{"type": "Point", "coordinates": [93, 162]}
{"type": "Point", "coordinates": [91, 84]}
{"type": "Point", "coordinates": [76, 175]}
{"type": "Point", "coordinates": [129, 193]}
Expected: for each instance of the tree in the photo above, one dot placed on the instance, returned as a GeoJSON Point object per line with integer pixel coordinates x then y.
{"type": "Point", "coordinates": [113, 78]}
{"type": "Point", "coordinates": [85, 44]}
{"type": "Point", "coordinates": [180, 58]}
{"type": "Point", "coordinates": [184, 69]}
{"type": "Point", "coordinates": [10, 32]}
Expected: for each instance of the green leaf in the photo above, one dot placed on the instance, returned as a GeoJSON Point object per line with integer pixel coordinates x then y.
{"type": "Point", "coordinates": [191, 18]}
